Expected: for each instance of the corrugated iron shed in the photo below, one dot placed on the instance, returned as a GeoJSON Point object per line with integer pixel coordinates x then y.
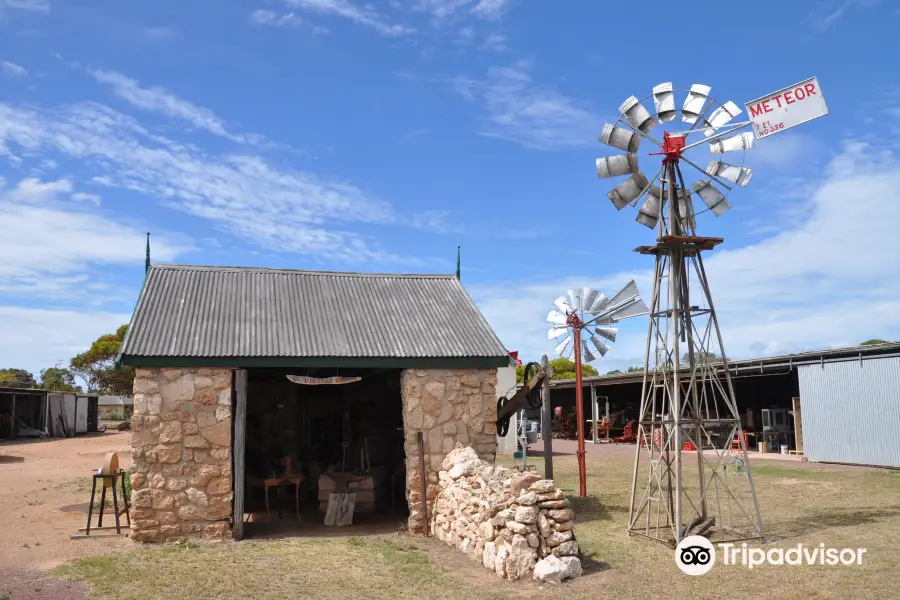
{"type": "Point", "coordinates": [240, 316]}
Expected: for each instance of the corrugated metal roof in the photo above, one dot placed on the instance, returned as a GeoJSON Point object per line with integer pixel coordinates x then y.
{"type": "Point", "coordinates": [195, 311]}
{"type": "Point", "coordinates": [763, 363]}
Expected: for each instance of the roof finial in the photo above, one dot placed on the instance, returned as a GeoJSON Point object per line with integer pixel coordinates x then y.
{"type": "Point", "coordinates": [457, 262]}
{"type": "Point", "coordinates": [147, 261]}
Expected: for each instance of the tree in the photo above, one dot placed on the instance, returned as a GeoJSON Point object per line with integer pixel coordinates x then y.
{"type": "Point", "coordinates": [614, 372]}
{"type": "Point", "coordinates": [563, 368]}
{"type": "Point", "coordinates": [17, 378]}
{"type": "Point", "coordinates": [699, 357]}
{"type": "Point", "coordinates": [874, 342]}
{"type": "Point", "coordinates": [58, 380]}
{"type": "Point", "coordinates": [636, 369]}
{"type": "Point", "coordinates": [97, 366]}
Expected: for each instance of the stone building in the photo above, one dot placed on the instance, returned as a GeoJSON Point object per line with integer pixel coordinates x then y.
{"type": "Point", "coordinates": [373, 360]}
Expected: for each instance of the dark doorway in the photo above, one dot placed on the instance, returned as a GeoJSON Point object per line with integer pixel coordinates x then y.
{"type": "Point", "coordinates": [339, 437]}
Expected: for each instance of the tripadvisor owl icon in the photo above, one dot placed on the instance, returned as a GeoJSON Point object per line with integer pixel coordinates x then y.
{"type": "Point", "coordinates": [695, 555]}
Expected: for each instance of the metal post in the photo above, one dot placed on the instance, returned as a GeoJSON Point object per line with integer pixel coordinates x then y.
{"type": "Point", "coordinates": [608, 422]}
{"type": "Point", "coordinates": [579, 412]}
{"type": "Point", "coordinates": [675, 274]}
{"type": "Point", "coordinates": [423, 478]}
{"type": "Point", "coordinates": [12, 421]}
{"type": "Point", "coordinates": [594, 415]}
{"type": "Point", "coordinates": [547, 419]}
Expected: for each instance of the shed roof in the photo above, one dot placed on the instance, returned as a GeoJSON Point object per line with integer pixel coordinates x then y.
{"type": "Point", "coordinates": [762, 365]}
{"type": "Point", "coordinates": [240, 316]}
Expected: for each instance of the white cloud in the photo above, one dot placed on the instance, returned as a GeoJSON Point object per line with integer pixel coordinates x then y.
{"type": "Point", "coordinates": [361, 15]}
{"type": "Point", "coordinates": [82, 197]}
{"type": "Point", "coordinates": [11, 69]}
{"type": "Point", "coordinates": [37, 338]}
{"type": "Point", "coordinates": [827, 13]}
{"type": "Point", "coordinates": [828, 280]}
{"type": "Point", "coordinates": [50, 243]}
{"type": "Point", "coordinates": [159, 34]}
{"type": "Point", "coordinates": [279, 209]}
{"type": "Point", "coordinates": [272, 19]}
{"type": "Point", "coordinates": [494, 42]}
{"type": "Point", "coordinates": [444, 9]}
{"type": "Point", "coordinates": [784, 150]}
{"type": "Point", "coordinates": [518, 110]}
{"type": "Point", "coordinates": [157, 99]}
{"type": "Point", "coordinates": [491, 9]}
{"type": "Point", "coordinates": [30, 5]}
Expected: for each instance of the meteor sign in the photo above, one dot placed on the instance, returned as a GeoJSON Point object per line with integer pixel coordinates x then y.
{"type": "Point", "coordinates": [787, 108]}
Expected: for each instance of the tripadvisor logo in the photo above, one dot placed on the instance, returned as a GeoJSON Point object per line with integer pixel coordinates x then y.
{"type": "Point", "coordinates": [695, 555]}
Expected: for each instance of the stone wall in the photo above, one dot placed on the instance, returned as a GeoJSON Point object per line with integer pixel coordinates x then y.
{"type": "Point", "coordinates": [181, 451]}
{"type": "Point", "coordinates": [516, 524]}
{"type": "Point", "coordinates": [448, 406]}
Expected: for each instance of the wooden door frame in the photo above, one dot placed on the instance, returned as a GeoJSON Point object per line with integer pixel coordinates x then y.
{"type": "Point", "coordinates": [239, 443]}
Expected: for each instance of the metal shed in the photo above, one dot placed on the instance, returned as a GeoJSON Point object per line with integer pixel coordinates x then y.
{"type": "Point", "coordinates": [851, 411]}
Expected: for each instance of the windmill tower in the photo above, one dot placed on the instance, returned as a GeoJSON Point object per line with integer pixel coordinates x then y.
{"type": "Point", "coordinates": [691, 471]}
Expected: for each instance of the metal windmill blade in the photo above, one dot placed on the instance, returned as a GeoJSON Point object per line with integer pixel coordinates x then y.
{"type": "Point", "coordinates": [607, 332]}
{"type": "Point", "coordinates": [600, 345]}
{"type": "Point", "coordinates": [629, 190]}
{"type": "Point", "coordinates": [721, 116]}
{"type": "Point", "coordinates": [664, 100]}
{"type": "Point", "coordinates": [621, 138]}
{"type": "Point", "coordinates": [599, 304]}
{"type": "Point", "coordinates": [562, 349]}
{"type": "Point", "coordinates": [586, 352]}
{"type": "Point", "coordinates": [562, 304]}
{"type": "Point", "coordinates": [555, 317]}
{"type": "Point", "coordinates": [694, 103]}
{"type": "Point", "coordinates": [733, 173]}
{"type": "Point", "coordinates": [556, 332]}
{"type": "Point", "coordinates": [613, 166]}
{"type": "Point", "coordinates": [712, 197]}
{"type": "Point", "coordinates": [648, 214]}
{"type": "Point", "coordinates": [736, 143]}
{"type": "Point", "coordinates": [639, 117]}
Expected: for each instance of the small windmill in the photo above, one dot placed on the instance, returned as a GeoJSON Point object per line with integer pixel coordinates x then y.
{"type": "Point", "coordinates": [583, 311]}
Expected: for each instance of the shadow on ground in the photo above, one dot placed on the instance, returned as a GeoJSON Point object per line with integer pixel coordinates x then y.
{"type": "Point", "coordinates": [806, 524]}
{"type": "Point", "coordinates": [590, 508]}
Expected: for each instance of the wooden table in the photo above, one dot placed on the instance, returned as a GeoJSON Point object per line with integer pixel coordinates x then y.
{"type": "Point", "coordinates": [278, 483]}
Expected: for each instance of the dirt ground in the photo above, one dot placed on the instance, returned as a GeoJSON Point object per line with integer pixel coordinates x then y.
{"type": "Point", "coordinates": [39, 478]}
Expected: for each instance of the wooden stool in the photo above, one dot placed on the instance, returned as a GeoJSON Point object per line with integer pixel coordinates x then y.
{"type": "Point", "coordinates": [108, 475]}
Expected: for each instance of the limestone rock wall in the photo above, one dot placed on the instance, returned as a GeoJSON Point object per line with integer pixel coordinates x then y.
{"type": "Point", "coordinates": [181, 451]}
{"type": "Point", "coordinates": [449, 406]}
{"type": "Point", "coordinates": [516, 524]}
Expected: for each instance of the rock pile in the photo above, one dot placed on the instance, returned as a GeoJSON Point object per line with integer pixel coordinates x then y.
{"type": "Point", "coordinates": [517, 524]}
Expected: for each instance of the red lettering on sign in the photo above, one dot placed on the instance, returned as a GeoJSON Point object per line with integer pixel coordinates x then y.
{"type": "Point", "coordinates": [800, 94]}
{"type": "Point", "coordinates": [766, 106]}
{"type": "Point", "coordinates": [757, 110]}
{"type": "Point", "coordinates": [810, 89]}
{"type": "Point", "coordinates": [778, 100]}
{"type": "Point", "coordinates": [788, 99]}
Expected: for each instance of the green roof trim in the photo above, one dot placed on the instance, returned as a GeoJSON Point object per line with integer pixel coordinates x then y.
{"type": "Point", "coordinates": [278, 362]}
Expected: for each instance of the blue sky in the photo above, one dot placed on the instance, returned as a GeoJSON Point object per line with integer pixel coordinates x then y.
{"type": "Point", "coordinates": [333, 134]}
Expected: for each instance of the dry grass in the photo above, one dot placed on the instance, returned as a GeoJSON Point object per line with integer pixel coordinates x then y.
{"type": "Point", "coordinates": [855, 508]}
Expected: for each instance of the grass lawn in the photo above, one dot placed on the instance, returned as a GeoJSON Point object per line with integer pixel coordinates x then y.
{"type": "Point", "coordinates": [846, 508]}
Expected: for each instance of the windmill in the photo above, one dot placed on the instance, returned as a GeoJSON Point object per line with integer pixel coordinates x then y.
{"type": "Point", "coordinates": [588, 311]}
{"type": "Point", "coordinates": [688, 419]}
